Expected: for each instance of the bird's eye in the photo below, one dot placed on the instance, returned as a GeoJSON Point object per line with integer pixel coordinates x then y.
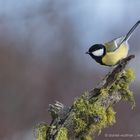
{"type": "Point", "coordinates": [98, 52]}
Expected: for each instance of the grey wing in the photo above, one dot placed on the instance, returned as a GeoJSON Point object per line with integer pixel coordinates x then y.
{"type": "Point", "coordinates": [114, 44]}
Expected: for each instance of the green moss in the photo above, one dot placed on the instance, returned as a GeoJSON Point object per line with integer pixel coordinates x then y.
{"type": "Point", "coordinates": [123, 86]}
{"type": "Point", "coordinates": [130, 75]}
{"type": "Point", "coordinates": [104, 92]}
{"type": "Point", "coordinates": [41, 131]}
{"type": "Point", "coordinates": [85, 110]}
{"type": "Point", "coordinates": [97, 127]}
{"type": "Point", "coordinates": [80, 105]}
{"type": "Point", "coordinates": [110, 115]}
{"type": "Point", "coordinates": [62, 134]}
{"type": "Point", "coordinates": [80, 125]}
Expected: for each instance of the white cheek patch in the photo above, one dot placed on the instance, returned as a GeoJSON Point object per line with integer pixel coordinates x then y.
{"type": "Point", "coordinates": [99, 52]}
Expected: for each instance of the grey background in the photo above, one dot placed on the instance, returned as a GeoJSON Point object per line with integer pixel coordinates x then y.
{"type": "Point", "coordinates": [42, 59]}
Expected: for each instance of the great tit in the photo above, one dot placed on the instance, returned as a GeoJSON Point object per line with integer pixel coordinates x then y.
{"type": "Point", "coordinates": [110, 53]}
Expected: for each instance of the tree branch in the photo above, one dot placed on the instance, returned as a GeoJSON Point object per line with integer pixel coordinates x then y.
{"type": "Point", "coordinates": [92, 111]}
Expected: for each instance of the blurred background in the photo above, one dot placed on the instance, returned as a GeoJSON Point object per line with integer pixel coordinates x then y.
{"type": "Point", "coordinates": [42, 59]}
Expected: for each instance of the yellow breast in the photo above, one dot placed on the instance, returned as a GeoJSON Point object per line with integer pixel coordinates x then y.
{"type": "Point", "coordinates": [112, 58]}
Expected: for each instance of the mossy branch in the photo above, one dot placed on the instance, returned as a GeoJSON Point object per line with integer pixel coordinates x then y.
{"type": "Point", "coordinates": [91, 112]}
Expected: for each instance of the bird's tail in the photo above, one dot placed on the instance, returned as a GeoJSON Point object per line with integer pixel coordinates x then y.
{"type": "Point", "coordinates": [128, 35]}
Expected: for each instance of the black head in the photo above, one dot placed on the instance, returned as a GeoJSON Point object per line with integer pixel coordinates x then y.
{"type": "Point", "coordinates": [97, 52]}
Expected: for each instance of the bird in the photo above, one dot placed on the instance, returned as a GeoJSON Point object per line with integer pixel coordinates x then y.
{"type": "Point", "coordinates": [112, 52]}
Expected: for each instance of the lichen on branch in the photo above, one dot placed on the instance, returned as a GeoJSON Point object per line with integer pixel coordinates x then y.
{"type": "Point", "coordinates": [91, 112]}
